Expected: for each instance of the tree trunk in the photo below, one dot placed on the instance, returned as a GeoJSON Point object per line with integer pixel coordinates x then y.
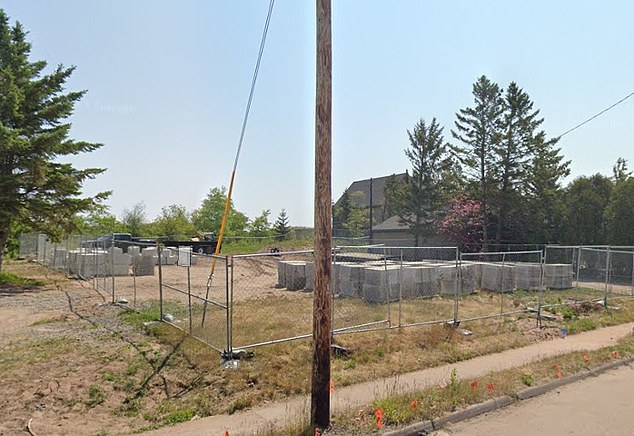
{"type": "Point", "coordinates": [4, 235]}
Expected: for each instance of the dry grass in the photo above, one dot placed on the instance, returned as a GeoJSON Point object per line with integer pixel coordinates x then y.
{"type": "Point", "coordinates": [457, 393]}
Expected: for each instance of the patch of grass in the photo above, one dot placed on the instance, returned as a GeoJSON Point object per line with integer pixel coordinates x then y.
{"type": "Point", "coordinates": [45, 321]}
{"type": "Point", "coordinates": [96, 396]}
{"type": "Point", "coordinates": [240, 404]}
{"type": "Point", "coordinates": [181, 415]}
{"type": "Point", "coordinates": [23, 354]}
{"type": "Point", "coordinates": [435, 401]}
{"type": "Point", "coordinates": [151, 311]}
{"type": "Point", "coordinates": [10, 280]}
{"type": "Point", "coordinates": [581, 325]}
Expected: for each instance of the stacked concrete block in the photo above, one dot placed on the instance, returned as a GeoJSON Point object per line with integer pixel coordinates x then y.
{"type": "Point", "coordinates": [351, 279]}
{"type": "Point", "coordinates": [558, 275]}
{"type": "Point", "coordinates": [143, 265]}
{"type": "Point", "coordinates": [169, 256]}
{"type": "Point", "coordinates": [295, 276]}
{"type": "Point", "coordinates": [411, 281]}
{"type": "Point", "coordinates": [430, 280]}
{"type": "Point", "coordinates": [310, 276]}
{"type": "Point", "coordinates": [498, 277]}
{"type": "Point", "coordinates": [184, 256]}
{"type": "Point", "coordinates": [448, 279]}
{"type": "Point", "coordinates": [134, 250]}
{"type": "Point", "coordinates": [527, 276]}
{"type": "Point", "coordinates": [470, 277]}
{"type": "Point", "coordinates": [87, 264]}
{"type": "Point", "coordinates": [381, 284]}
{"type": "Point", "coordinates": [60, 258]}
{"type": "Point", "coordinates": [117, 262]}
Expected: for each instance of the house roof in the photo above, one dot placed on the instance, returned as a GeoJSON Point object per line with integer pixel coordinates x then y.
{"type": "Point", "coordinates": [391, 224]}
{"type": "Point", "coordinates": [378, 190]}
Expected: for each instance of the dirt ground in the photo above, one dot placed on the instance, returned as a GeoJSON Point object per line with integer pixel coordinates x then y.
{"type": "Point", "coordinates": [70, 365]}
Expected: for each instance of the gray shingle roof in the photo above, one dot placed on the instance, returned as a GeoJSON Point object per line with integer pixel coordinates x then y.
{"type": "Point", "coordinates": [378, 190]}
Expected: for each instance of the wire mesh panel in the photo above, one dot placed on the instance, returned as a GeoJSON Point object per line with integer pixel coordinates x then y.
{"type": "Point", "coordinates": [620, 273]}
{"type": "Point", "coordinates": [195, 291]}
{"type": "Point", "coordinates": [272, 297]}
{"type": "Point", "coordinates": [506, 282]}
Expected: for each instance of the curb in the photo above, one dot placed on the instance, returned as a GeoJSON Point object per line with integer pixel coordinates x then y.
{"type": "Point", "coordinates": [427, 426]}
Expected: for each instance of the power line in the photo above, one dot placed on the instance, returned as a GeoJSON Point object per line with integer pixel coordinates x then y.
{"type": "Point", "coordinates": [597, 115]}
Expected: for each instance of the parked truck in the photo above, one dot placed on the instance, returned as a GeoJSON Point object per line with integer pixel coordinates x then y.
{"type": "Point", "coordinates": [205, 244]}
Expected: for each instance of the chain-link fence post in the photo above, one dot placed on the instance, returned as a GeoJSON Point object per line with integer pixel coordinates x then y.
{"type": "Point", "coordinates": [159, 251]}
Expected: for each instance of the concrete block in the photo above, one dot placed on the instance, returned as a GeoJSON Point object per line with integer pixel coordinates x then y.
{"type": "Point", "coordinates": [351, 278]}
{"type": "Point", "coordinates": [558, 275]}
{"type": "Point", "coordinates": [498, 277]}
{"type": "Point", "coordinates": [310, 276]}
{"type": "Point", "coordinates": [282, 271]}
{"type": "Point", "coordinates": [527, 276]}
{"type": "Point", "coordinates": [134, 250]}
{"type": "Point", "coordinates": [295, 276]}
{"type": "Point", "coordinates": [184, 256]}
{"type": "Point", "coordinates": [143, 265]}
{"type": "Point", "coordinates": [381, 284]}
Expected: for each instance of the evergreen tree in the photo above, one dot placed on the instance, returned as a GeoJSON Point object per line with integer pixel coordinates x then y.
{"type": "Point", "coordinates": [420, 197]}
{"type": "Point", "coordinates": [478, 128]}
{"type": "Point", "coordinates": [544, 191]}
{"type": "Point", "coordinates": [37, 189]}
{"type": "Point", "coordinates": [341, 212]}
{"type": "Point", "coordinates": [281, 226]}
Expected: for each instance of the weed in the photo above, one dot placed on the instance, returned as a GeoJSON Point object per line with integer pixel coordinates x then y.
{"type": "Point", "coordinates": [350, 364]}
{"type": "Point", "coordinates": [581, 325]}
{"type": "Point", "coordinates": [240, 404]}
{"type": "Point", "coordinates": [527, 379]}
{"type": "Point", "coordinates": [9, 280]}
{"type": "Point", "coordinates": [96, 396]}
{"type": "Point", "coordinates": [177, 416]}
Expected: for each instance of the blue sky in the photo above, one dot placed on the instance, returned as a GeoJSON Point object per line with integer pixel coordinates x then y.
{"type": "Point", "coordinates": [168, 83]}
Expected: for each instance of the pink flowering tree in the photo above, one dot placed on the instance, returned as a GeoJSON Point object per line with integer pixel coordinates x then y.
{"type": "Point", "coordinates": [463, 223]}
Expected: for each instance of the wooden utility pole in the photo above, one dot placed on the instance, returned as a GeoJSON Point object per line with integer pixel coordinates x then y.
{"type": "Point", "coordinates": [322, 301]}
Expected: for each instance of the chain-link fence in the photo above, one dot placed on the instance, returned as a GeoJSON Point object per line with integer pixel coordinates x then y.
{"type": "Point", "coordinates": [247, 301]}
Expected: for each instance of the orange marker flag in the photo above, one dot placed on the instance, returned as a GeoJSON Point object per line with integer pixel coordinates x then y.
{"type": "Point", "coordinates": [558, 374]}
{"type": "Point", "coordinates": [379, 417]}
{"type": "Point", "coordinates": [226, 433]}
{"type": "Point", "coordinates": [414, 404]}
{"type": "Point", "coordinates": [615, 354]}
{"type": "Point", "coordinates": [586, 357]}
{"type": "Point", "coordinates": [490, 387]}
{"type": "Point", "coordinates": [474, 385]}
{"type": "Point", "coordinates": [332, 387]}
{"type": "Point", "coordinates": [316, 432]}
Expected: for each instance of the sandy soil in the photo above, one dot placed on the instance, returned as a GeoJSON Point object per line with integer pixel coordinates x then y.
{"type": "Point", "coordinates": [60, 341]}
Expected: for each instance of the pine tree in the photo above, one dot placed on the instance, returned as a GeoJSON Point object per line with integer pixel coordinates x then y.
{"type": "Point", "coordinates": [281, 226]}
{"type": "Point", "coordinates": [418, 201]}
{"type": "Point", "coordinates": [37, 190]}
{"type": "Point", "coordinates": [512, 152]}
{"type": "Point", "coordinates": [478, 128]}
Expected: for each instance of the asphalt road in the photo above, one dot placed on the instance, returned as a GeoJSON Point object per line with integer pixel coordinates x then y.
{"type": "Point", "coordinates": [602, 405]}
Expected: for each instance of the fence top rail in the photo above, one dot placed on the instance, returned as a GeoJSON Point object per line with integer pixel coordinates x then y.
{"type": "Point", "coordinates": [338, 247]}
{"type": "Point", "coordinates": [419, 248]}
{"type": "Point", "coordinates": [487, 253]}
{"type": "Point", "coordinates": [280, 253]}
